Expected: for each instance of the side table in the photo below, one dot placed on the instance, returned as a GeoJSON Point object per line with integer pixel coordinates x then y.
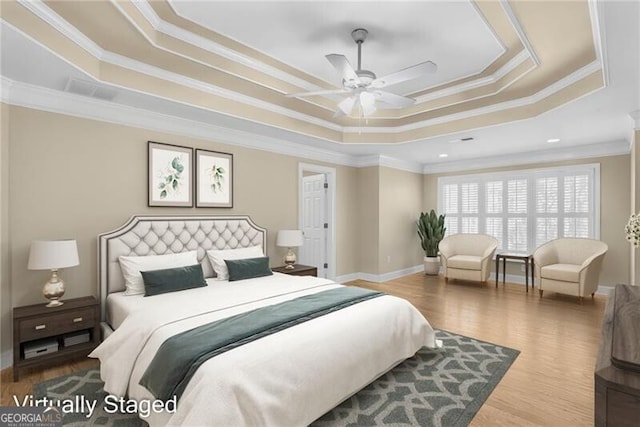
{"type": "Point", "coordinates": [528, 261]}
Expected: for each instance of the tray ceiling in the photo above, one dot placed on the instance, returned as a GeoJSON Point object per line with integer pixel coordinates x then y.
{"type": "Point", "coordinates": [498, 62]}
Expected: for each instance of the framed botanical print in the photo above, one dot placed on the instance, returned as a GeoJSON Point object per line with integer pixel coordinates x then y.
{"type": "Point", "coordinates": [214, 179]}
{"type": "Point", "coordinates": [170, 175]}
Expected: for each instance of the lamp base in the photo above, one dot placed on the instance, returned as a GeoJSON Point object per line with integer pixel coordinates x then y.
{"type": "Point", "coordinates": [289, 260]}
{"type": "Point", "coordinates": [54, 303]}
{"type": "Point", "coordinates": [53, 290]}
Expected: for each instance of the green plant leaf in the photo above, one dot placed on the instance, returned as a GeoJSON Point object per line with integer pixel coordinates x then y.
{"type": "Point", "coordinates": [163, 194]}
{"type": "Point", "coordinates": [176, 164]}
{"type": "Point", "coordinates": [175, 184]}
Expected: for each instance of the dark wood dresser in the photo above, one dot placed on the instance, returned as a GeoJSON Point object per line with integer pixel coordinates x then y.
{"type": "Point", "coordinates": [617, 373]}
{"type": "Point", "coordinates": [37, 322]}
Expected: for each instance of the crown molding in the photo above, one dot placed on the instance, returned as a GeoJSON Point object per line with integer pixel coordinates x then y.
{"type": "Point", "coordinates": [42, 11]}
{"type": "Point", "coordinates": [39, 98]}
{"type": "Point", "coordinates": [150, 70]}
{"type": "Point", "coordinates": [613, 148]}
{"type": "Point", "coordinates": [519, 30]}
{"type": "Point", "coordinates": [501, 72]}
{"type": "Point", "coordinates": [389, 162]}
{"type": "Point", "coordinates": [178, 33]}
{"type": "Point", "coordinates": [521, 102]}
{"type": "Point", "coordinates": [598, 30]}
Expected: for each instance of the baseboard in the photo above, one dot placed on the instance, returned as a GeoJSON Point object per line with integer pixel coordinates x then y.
{"type": "Point", "coordinates": [379, 278]}
{"type": "Point", "coordinates": [6, 359]}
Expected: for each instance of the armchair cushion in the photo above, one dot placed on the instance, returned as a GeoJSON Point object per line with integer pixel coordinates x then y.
{"type": "Point", "coordinates": [465, 262]}
{"type": "Point", "coordinates": [562, 272]}
{"type": "Point", "coordinates": [569, 265]}
{"type": "Point", "coordinates": [467, 256]}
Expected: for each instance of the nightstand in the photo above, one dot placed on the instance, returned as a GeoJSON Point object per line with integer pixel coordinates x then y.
{"type": "Point", "coordinates": [298, 270]}
{"type": "Point", "coordinates": [37, 329]}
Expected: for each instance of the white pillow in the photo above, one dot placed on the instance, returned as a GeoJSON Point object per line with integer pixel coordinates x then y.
{"type": "Point", "coordinates": [217, 258]}
{"type": "Point", "coordinates": [132, 266]}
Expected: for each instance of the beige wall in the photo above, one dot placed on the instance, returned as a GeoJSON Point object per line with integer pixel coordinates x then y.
{"type": "Point", "coordinates": [614, 208]}
{"type": "Point", "coordinates": [369, 219]}
{"type": "Point", "coordinates": [5, 283]}
{"type": "Point", "coordinates": [76, 178]}
{"type": "Point", "coordinates": [400, 201]}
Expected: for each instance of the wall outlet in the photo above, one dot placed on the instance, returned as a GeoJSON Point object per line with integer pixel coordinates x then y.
{"type": "Point", "coordinates": [522, 268]}
{"type": "Point", "coordinates": [388, 259]}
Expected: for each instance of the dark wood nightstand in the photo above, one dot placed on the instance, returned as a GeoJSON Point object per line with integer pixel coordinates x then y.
{"type": "Point", "coordinates": [298, 270]}
{"type": "Point", "coordinates": [35, 322]}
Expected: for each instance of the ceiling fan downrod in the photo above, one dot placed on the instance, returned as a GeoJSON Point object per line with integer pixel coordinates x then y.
{"type": "Point", "coordinates": [359, 35]}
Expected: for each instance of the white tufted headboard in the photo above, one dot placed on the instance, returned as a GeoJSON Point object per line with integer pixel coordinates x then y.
{"type": "Point", "coordinates": [158, 235]}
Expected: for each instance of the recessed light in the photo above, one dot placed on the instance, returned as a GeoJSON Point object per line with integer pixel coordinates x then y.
{"type": "Point", "coordinates": [443, 155]}
{"type": "Point", "coordinates": [553, 140]}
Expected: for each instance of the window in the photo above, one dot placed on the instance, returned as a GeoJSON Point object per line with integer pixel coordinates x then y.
{"type": "Point", "coordinates": [523, 209]}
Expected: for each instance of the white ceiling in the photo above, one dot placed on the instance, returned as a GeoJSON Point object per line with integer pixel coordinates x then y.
{"type": "Point", "coordinates": [454, 35]}
{"type": "Point", "coordinates": [598, 118]}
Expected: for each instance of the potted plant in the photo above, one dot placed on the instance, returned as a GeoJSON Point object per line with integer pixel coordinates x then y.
{"type": "Point", "coordinates": [431, 231]}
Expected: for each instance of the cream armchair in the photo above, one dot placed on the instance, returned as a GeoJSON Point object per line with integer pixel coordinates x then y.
{"type": "Point", "coordinates": [569, 266]}
{"type": "Point", "coordinates": [467, 256]}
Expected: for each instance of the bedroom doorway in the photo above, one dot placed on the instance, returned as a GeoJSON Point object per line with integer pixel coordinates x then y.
{"type": "Point", "coordinates": [316, 217]}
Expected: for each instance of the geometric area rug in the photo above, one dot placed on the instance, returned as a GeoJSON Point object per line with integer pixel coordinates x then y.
{"type": "Point", "coordinates": [444, 387]}
{"type": "Point", "coordinates": [440, 388]}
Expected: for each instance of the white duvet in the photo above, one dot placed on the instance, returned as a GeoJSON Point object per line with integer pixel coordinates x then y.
{"type": "Point", "coordinates": [289, 378]}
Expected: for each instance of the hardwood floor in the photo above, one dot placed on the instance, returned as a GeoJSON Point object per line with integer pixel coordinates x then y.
{"type": "Point", "coordinates": [551, 381]}
{"type": "Point", "coordinates": [549, 384]}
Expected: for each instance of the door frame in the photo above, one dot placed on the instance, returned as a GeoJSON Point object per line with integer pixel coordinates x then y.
{"type": "Point", "coordinates": [330, 173]}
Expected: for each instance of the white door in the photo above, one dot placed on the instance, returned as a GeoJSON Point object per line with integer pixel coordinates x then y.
{"type": "Point", "coordinates": [314, 250]}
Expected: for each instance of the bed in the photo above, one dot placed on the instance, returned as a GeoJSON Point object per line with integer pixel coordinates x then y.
{"type": "Point", "coordinates": [290, 377]}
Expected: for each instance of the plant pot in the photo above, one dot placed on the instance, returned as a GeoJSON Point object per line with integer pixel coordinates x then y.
{"type": "Point", "coordinates": [431, 265]}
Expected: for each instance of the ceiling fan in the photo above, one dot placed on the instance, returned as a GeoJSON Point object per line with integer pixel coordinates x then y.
{"type": "Point", "coordinates": [364, 86]}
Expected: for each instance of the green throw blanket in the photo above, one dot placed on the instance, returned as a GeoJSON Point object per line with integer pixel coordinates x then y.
{"type": "Point", "coordinates": [180, 356]}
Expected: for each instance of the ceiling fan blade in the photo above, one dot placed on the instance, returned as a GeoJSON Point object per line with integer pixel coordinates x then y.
{"type": "Point", "coordinates": [406, 74]}
{"type": "Point", "coordinates": [338, 113]}
{"type": "Point", "coordinates": [368, 103]}
{"type": "Point", "coordinates": [318, 92]}
{"type": "Point", "coordinates": [346, 105]}
{"type": "Point", "coordinates": [393, 100]}
{"type": "Point", "coordinates": [341, 64]}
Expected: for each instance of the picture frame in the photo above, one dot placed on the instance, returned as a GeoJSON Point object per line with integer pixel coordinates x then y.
{"type": "Point", "coordinates": [170, 175]}
{"type": "Point", "coordinates": [214, 179]}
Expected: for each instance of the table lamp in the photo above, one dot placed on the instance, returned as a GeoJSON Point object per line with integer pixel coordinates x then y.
{"type": "Point", "coordinates": [53, 255]}
{"type": "Point", "coordinates": [289, 239]}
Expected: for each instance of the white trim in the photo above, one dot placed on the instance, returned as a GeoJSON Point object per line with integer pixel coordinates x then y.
{"type": "Point", "coordinates": [598, 30]}
{"type": "Point", "coordinates": [40, 98]}
{"type": "Point", "coordinates": [519, 30]}
{"type": "Point", "coordinates": [389, 162]}
{"type": "Point", "coordinates": [217, 49]}
{"type": "Point", "coordinates": [77, 37]}
{"type": "Point", "coordinates": [532, 99]}
{"type": "Point", "coordinates": [141, 67]}
{"type": "Point", "coordinates": [332, 177]}
{"type": "Point", "coordinates": [38, 8]}
{"type": "Point", "coordinates": [613, 148]}
{"type": "Point", "coordinates": [37, 97]}
{"type": "Point", "coordinates": [504, 70]}
{"type": "Point", "coordinates": [379, 278]}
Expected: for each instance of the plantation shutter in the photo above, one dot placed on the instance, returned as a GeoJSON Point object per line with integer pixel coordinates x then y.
{"type": "Point", "coordinates": [523, 209]}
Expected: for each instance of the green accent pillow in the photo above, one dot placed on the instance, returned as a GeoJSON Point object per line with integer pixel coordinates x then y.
{"type": "Point", "coordinates": [158, 282]}
{"type": "Point", "coordinates": [248, 268]}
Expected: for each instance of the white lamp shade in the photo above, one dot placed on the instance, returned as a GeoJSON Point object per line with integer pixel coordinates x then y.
{"type": "Point", "coordinates": [289, 238]}
{"type": "Point", "coordinates": [53, 254]}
